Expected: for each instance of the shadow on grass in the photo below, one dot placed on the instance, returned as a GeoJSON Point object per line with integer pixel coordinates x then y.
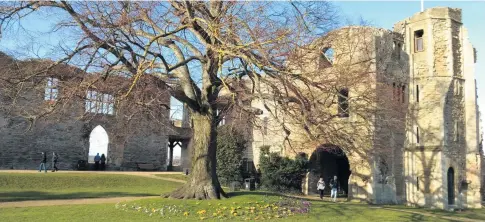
{"type": "Point", "coordinates": [262, 193]}
{"type": "Point", "coordinates": [36, 195]}
{"type": "Point", "coordinates": [475, 214]}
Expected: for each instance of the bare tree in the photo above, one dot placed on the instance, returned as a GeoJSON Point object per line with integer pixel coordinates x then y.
{"type": "Point", "coordinates": [196, 49]}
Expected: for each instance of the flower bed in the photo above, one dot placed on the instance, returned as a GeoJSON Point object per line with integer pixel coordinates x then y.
{"type": "Point", "coordinates": [263, 209]}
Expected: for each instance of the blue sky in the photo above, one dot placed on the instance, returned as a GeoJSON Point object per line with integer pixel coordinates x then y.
{"type": "Point", "coordinates": [379, 13]}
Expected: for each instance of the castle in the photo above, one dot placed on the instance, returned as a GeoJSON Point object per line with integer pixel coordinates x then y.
{"type": "Point", "coordinates": [421, 142]}
{"type": "Point", "coordinates": [419, 146]}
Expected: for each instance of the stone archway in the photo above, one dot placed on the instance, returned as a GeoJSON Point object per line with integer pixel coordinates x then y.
{"type": "Point", "coordinates": [326, 162]}
{"type": "Point", "coordinates": [98, 143]}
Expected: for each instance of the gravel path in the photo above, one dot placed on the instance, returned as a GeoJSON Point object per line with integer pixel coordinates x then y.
{"type": "Point", "coordinates": [41, 203]}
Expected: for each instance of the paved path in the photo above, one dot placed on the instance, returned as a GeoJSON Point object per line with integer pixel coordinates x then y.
{"type": "Point", "coordinates": [41, 203]}
{"type": "Point", "coordinates": [134, 173]}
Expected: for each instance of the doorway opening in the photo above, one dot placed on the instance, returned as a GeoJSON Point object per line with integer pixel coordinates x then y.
{"type": "Point", "coordinates": [451, 186]}
{"type": "Point", "coordinates": [98, 143]}
{"type": "Point", "coordinates": [328, 161]}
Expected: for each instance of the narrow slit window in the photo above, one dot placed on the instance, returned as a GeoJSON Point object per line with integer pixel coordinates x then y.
{"type": "Point", "coordinates": [417, 135]}
{"type": "Point", "coordinates": [397, 50]}
{"type": "Point", "coordinates": [418, 41]}
{"type": "Point", "coordinates": [417, 93]}
{"type": "Point", "coordinates": [417, 183]}
{"type": "Point", "coordinates": [398, 93]}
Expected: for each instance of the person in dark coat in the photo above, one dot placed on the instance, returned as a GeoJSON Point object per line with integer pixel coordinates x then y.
{"type": "Point", "coordinates": [55, 157]}
{"type": "Point", "coordinates": [42, 163]}
{"type": "Point", "coordinates": [103, 161]}
{"type": "Point", "coordinates": [97, 158]}
{"type": "Point", "coordinates": [334, 185]}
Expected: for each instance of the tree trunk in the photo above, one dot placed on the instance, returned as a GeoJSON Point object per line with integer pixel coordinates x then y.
{"type": "Point", "coordinates": [203, 182]}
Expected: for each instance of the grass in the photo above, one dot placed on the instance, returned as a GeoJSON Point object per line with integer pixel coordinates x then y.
{"type": "Point", "coordinates": [16, 187]}
{"type": "Point", "coordinates": [71, 186]}
{"type": "Point", "coordinates": [173, 176]}
{"type": "Point", "coordinates": [320, 211]}
{"type": "Point", "coordinates": [475, 214]}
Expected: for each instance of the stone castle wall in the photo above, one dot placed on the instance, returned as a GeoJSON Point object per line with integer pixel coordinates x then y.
{"type": "Point", "coordinates": [30, 125]}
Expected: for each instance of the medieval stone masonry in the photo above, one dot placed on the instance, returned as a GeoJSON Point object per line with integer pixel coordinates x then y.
{"type": "Point", "coordinates": [57, 111]}
{"type": "Point", "coordinates": [404, 115]}
{"type": "Point", "coordinates": [421, 143]}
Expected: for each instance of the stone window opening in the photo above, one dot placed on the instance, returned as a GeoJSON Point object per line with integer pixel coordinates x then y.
{"type": "Point", "coordinates": [417, 183]}
{"type": "Point", "coordinates": [327, 58]}
{"type": "Point", "coordinates": [99, 103]}
{"type": "Point", "coordinates": [51, 89]}
{"type": "Point", "coordinates": [397, 49]}
{"type": "Point", "coordinates": [398, 96]}
{"type": "Point", "coordinates": [458, 88]}
{"type": "Point", "coordinates": [383, 168]}
{"type": "Point", "coordinates": [417, 135]}
{"type": "Point", "coordinates": [343, 103]}
{"type": "Point", "coordinates": [418, 41]}
{"type": "Point", "coordinates": [417, 93]}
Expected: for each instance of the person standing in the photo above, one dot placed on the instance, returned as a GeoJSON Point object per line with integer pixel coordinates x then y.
{"type": "Point", "coordinates": [97, 158]}
{"type": "Point", "coordinates": [42, 162]}
{"type": "Point", "coordinates": [54, 162]}
{"type": "Point", "coordinates": [321, 187]}
{"type": "Point", "coordinates": [103, 161]}
{"type": "Point", "coordinates": [334, 187]}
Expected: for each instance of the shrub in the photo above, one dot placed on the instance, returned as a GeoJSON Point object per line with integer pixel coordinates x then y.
{"type": "Point", "coordinates": [281, 173]}
{"type": "Point", "coordinates": [230, 148]}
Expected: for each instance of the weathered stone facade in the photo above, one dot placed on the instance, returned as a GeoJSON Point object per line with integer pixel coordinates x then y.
{"type": "Point", "coordinates": [421, 148]}
{"type": "Point", "coordinates": [29, 124]}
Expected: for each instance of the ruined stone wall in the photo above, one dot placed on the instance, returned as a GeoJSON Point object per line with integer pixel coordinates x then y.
{"type": "Point", "coordinates": [30, 125]}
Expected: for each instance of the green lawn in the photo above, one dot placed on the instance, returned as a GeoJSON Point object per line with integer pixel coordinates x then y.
{"type": "Point", "coordinates": [246, 205]}
{"type": "Point", "coordinates": [476, 214]}
{"type": "Point", "coordinates": [21, 186]}
{"type": "Point", "coordinates": [173, 176]}
{"type": "Point", "coordinates": [319, 211]}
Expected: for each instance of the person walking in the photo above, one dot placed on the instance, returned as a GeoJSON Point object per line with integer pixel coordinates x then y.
{"type": "Point", "coordinates": [321, 187]}
{"type": "Point", "coordinates": [97, 158]}
{"type": "Point", "coordinates": [55, 157]}
{"type": "Point", "coordinates": [334, 187]}
{"type": "Point", "coordinates": [42, 163]}
{"type": "Point", "coordinates": [103, 161]}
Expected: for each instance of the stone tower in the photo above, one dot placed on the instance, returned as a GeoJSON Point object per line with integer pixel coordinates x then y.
{"type": "Point", "coordinates": [441, 151]}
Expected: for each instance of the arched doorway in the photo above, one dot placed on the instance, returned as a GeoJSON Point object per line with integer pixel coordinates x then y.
{"type": "Point", "coordinates": [328, 161]}
{"type": "Point", "coordinates": [451, 186]}
{"type": "Point", "coordinates": [98, 143]}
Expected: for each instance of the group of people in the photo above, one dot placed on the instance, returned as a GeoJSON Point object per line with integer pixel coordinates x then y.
{"type": "Point", "coordinates": [334, 185]}
{"type": "Point", "coordinates": [100, 159]}
{"type": "Point", "coordinates": [43, 166]}
{"type": "Point", "coordinates": [55, 158]}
